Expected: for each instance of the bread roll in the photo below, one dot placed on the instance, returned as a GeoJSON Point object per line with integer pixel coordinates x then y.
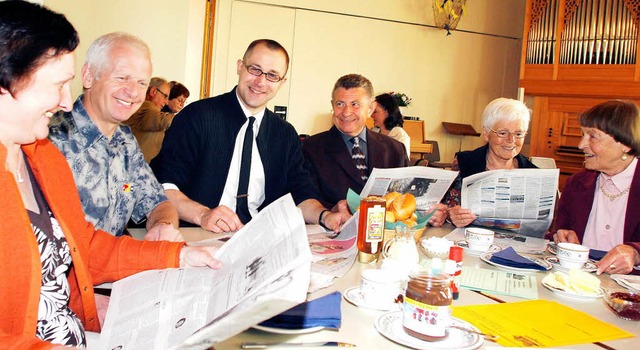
{"type": "Point", "coordinates": [403, 206]}
{"type": "Point", "coordinates": [390, 197]}
{"type": "Point", "coordinates": [390, 217]}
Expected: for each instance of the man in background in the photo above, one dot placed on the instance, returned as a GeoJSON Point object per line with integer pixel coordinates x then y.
{"type": "Point", "coordinates": [228, 156]}
{"type": "Point", "coordinates": [114, 181]}
{"type": "Point", "coordinates": [149, 123]}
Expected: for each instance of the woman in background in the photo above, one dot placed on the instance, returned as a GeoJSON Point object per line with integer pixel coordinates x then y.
{"type": "Point", "coordinates": [388, 120]}
{"type": "Point", "coordinates": [599, 206]}
{"type": "Point", "coordinates": [177, 97]}
{"type": "Point", "coordinates": [504, 125]}
{"type": "Point", "coordinates": [51, 256]}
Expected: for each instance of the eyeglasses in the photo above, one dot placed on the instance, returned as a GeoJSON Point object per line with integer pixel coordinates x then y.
{"type": "Point", "coordinates": [253, 70]}
{"type": "Point", "coordinates": [503, 134]}
{"type": "Point", "coordinates": [163, 94]}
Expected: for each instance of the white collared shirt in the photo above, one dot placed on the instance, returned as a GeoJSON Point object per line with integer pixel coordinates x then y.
{"type": "Point", "coordinates": [256, 191]}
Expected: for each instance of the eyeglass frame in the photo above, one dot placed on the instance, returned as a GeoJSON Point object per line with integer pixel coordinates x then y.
{"type": "Point", "coordinates": [504, 136]}
{"type": "Point", "coordinates": [266, 74]}
{"type": "Point", "coordinates": [162, 92]}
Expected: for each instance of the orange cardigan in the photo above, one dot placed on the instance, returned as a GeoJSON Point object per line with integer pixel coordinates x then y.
{"type": "Point", "coordinates": [97, 256]}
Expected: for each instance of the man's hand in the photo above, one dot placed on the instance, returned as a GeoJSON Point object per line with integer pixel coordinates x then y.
{"type": "Point", "coordinates": [566, 236]}
{"type": "Point", "coordinates": [220, 219]}
{"type": "Point", "coordinates": [164, 231]}
{"type": "Point", "coordinates": [199, 257]}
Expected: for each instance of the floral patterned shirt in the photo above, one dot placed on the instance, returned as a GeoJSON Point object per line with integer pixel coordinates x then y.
{"type": "Point", "coordinates": [114, 181]}
{"type": "Point", "coordinates": [57, 323]}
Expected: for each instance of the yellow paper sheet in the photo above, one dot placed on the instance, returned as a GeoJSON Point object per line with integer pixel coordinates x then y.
{"type": "Point", "coordinates": [538, 323]}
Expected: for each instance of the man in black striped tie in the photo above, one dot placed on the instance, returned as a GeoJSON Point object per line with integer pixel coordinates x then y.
{"type": "Point", "coordinates": [343, 157]}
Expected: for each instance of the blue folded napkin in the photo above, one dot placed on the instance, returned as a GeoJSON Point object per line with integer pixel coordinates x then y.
{"type": "Point", "coordinates": [324, 312]}
{"type": "Point", "coordinates": [597, 255]}
{"type": "Point", "coordinates": [509, 257]}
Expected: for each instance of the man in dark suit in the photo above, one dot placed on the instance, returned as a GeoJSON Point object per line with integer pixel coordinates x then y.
{"type": "Point", "coordinates": [215, 141]}
{"type": "Point", "coordinates": [343, 157]}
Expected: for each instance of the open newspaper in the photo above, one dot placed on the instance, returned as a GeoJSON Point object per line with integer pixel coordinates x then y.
{"type": "Point", "coordinates": [520, 200]}
{"type": "Point", "coordinates": [428, 185]}
{"type": "Point", "coordinates": [266, 271]}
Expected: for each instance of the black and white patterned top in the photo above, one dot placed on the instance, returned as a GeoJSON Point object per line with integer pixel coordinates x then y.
{"type": "Point", "coordinates": [56, 322]}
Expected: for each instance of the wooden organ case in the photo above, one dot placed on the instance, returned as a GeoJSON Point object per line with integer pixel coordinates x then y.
{"type": "Point", "coordinates": [575, 54]}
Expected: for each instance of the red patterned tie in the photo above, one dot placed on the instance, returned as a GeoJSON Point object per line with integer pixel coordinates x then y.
{"type": "Point", "coordinates": [358, 158]}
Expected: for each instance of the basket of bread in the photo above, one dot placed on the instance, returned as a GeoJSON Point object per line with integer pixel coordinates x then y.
{"type": "Point", "coordinates": [400, 210]}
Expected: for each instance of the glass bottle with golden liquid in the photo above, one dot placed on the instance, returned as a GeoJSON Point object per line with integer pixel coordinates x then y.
{"type": "Point", "coordinates": [371, 228]}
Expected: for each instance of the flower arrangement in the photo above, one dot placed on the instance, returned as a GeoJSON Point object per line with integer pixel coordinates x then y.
{"type": "Point", "coordinates": [401, 99]}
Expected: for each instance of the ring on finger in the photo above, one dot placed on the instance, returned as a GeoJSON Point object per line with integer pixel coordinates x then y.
{"type": "Point", "coordinates": [218, 221]}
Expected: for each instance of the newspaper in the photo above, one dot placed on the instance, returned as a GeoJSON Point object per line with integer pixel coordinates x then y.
{"type": "Point", "coordinates": [520, 200]}
{"type": "Point", "coordinates": [266, 271]}
{"type": "Point", "coordinates": [428, 185]}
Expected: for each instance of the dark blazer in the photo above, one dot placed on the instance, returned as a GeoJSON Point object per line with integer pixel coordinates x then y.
{"type": "Point", "coordinates": [197, 150]}
{"type": "Point", "coordinates": [332, 169]}
{"type": "Point", "coordinates": [575, 204]}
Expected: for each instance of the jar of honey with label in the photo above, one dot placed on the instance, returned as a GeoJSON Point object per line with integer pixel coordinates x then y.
{"type": "Point", "coordinates": [371, 227]}
{"type": "Point", "coordinates": [427, 306]}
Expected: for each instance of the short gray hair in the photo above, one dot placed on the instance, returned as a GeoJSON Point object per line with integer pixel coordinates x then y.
{"type": "Point", "coordinates": [98, 55]}
{"type": "Point", "coordinates": [353, 81]}
{"type": "Point", "coordinates": [505, 109]}
{"type": "Point", "coordinates": [156, 82]}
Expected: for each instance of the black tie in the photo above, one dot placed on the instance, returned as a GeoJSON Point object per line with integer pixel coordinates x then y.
{"type": "Point", "coordinates": [242, 204]}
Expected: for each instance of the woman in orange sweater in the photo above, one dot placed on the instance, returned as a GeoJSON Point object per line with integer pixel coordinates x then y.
{"type": "Point", "coordinates": [51, 257]}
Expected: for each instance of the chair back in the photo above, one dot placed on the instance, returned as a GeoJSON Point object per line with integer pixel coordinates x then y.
{"type": "Point", "coordinates": [543, 162]}
{"type": "Point", "coordinates": [434, 156]}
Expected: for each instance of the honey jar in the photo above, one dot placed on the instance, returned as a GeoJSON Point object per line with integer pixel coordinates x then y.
{"type": "Point", "coordinates": [427, 306]}
{"type": "Point", "coordinates": [371, 228]}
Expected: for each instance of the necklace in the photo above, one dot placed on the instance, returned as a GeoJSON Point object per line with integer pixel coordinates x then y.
{"type": "Point", "coordinates": [613, 197]}
{"type": "Point", "coordinates": [18, 171]}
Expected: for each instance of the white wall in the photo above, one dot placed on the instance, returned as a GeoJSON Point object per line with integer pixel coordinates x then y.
{"type": "Point", "coordinates": [173, 29]}
{"type": "Point", "coordinates": [450, 78]}
{"type": "Point", "coordinates": [392, 42]}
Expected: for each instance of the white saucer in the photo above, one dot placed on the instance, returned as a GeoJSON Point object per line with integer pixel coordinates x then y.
{"type": "Point", "coordinates": [486, 257]}
{"type": "Point", "coordinates": [572, 295]}
{"type": "Point", "coordinates": [628, 281]}
{"type": "Point", "coordinates": [354, 296]}
{"type": "Point", "coordinates": [390, 325]}
{"type": "Point", "coordinates": [589, 266]}
{"type": "Point", "coordinates": [494, 248]}
{"type": "Point", "coordinates": [287, 330]}
{"type": "Point", "coordinates": [552, 248]}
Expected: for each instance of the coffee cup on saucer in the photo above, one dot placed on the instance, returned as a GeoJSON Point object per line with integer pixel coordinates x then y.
{"type": "Point", "coordinates": [571, 255]}
{"type": "Point", "coordinates": [479, 239]}
{"type": "Point", "coordinates": [380, 287]}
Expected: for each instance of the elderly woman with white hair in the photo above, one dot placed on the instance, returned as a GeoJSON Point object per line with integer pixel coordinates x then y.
{"type": "Point", "coordinates": [504, 125]}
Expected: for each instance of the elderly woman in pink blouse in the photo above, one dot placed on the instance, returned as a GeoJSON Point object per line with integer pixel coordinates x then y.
{"type": "Point", "coordinates": [599, 206]}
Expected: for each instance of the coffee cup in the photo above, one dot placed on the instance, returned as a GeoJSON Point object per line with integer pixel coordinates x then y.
{"type": "Point", "coordinates": [380, 287]}
{"type": "Point", "coordinates": [571, 255]}
{"type": "Point", "coordinates": [479, 239]}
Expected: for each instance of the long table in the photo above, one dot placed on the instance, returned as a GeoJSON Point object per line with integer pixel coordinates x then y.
{"type": "Point", "coordinates": [358, 323]}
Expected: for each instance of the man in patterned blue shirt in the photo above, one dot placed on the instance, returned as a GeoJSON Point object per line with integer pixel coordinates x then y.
{"type": "Point", "coordinates": [113, 179]}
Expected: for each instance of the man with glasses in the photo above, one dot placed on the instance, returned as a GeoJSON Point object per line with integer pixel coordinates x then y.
{"type": "Point", "coordinates": [114, 181]}
{"type": "Point", "coordinates": [149, 123]}
{"type": "Point", "coordinates": [228, 156]}
{"type": "Point", "coordinates": [504, 126]}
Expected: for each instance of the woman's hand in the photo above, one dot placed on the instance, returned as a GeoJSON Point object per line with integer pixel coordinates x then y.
{"type": "Point", "coordinates": [461, 217]}
{"type": "Point", "coordinates": [199, 257]}
{"type": "Point", "coordinates": [569, 236]}
{"type": "Point", "coordinates": [620, 259]}
{"type": "Point", "coordinates": [439, 216]}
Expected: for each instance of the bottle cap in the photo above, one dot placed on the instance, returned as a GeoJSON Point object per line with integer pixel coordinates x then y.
{"type": "Point", "coordinates": [456, 253]}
